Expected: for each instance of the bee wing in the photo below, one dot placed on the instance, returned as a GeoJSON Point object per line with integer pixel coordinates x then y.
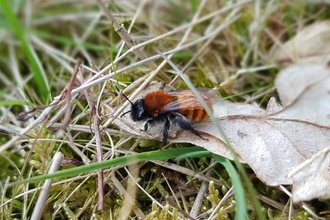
{"type": "Point", "coordinates": [185, 99]}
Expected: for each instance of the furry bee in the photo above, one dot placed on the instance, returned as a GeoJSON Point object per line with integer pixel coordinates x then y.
{"type": "Point", "coordinates": [170, 107]}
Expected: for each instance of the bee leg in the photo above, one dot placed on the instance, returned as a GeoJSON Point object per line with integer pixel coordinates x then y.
{"type": "Point", "coordinates": [186, 126]}
{"type": "Point", "coordinates": [165, 131]}
{"type": "Point", "coordinates": [146, 125]}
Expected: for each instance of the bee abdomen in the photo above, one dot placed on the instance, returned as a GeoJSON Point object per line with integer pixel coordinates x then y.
{"type": "Point", "coordinates": [195, 114]}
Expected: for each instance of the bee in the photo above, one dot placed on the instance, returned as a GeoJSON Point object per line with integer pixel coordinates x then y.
{"type": "Point", "coordinates": [170, 107]}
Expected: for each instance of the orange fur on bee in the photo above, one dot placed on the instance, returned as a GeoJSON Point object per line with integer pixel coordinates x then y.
{"type": "Point", "coordinates": [155, 101]}
{"type": "Point", "coordinates": [181, 101]}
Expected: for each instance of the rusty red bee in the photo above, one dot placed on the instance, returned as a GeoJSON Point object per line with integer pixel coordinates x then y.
{"type": "Point", "coordinates": [170, 107]}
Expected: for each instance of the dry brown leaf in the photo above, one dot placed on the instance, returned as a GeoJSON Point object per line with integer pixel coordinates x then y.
{"type": "Point", "coordinates": [275, 142]}
{"type": "Point", "coordinates": [309, 45]}
{"type": "Point", "coordinates": [271, 142]}
{"type": "Point", "coordinates": [301, 79]}
{"type": "Point", "coordinates": [312, 178]}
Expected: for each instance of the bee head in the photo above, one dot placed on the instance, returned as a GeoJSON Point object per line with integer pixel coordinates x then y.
{"type": "Point", "coordinates": [138, 111]}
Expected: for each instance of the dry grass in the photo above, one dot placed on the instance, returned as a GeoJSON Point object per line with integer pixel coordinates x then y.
{"type": "Point", "coordinates": [215, 44]}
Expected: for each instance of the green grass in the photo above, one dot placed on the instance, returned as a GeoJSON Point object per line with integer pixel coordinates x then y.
{"type": "Point", "coordinates": [28, 51]}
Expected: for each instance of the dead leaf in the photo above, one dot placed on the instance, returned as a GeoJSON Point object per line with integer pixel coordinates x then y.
{"type": "Point", "coordinates": [297, 79]}
{"type": "Point", "coordinates": [304, 92]}
{"type": "Point", "coordinates": [271, 142]}
{"type": "Point", "coordinates": [309, 45]}
{"type": "Point", "coordinates": [273, 106]}
{"type": "Point", "coordinates": [312, 178]}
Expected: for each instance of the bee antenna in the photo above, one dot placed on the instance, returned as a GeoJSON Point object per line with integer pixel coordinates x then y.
{"type": "Point", "coordinates": [125, 113]}
{"type": "Point", "coordinates": [127, 99]}
{"type": "Point", "coordinates": [129, 102]}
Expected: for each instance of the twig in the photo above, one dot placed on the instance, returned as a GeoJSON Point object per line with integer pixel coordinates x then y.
{"type": "Point", "coordinates": [40, 205]}
{"type": "Point", "coordinates": [121, 31]}
{"type": "Point", "coordinates": [67, 93]}
{"type": "Point", "coordinates": [199, 198]}
{"type": "Point", "coordinates": [186, 171]}
{"type": "Point", "coordinates": [97, 133]}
